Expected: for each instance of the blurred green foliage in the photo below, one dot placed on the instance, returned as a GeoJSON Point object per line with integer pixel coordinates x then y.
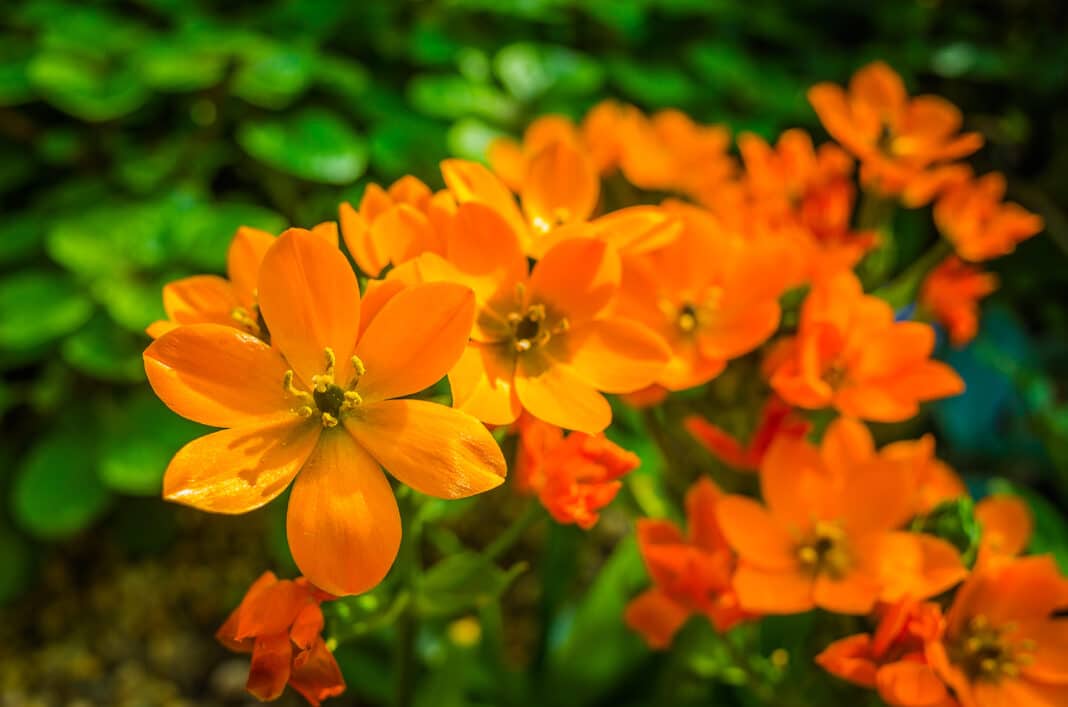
{"type": "Point", "coordinates": [136, 135]}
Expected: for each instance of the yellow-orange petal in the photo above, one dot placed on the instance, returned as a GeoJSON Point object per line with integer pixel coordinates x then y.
{"type": "Point", "coordinates": [239, 470]}
{"type": "Point", "coordinates": [554, 393]}
{"type": "Point", "coordinates": [217, 375]}
{"type": "Point", "coordinates": [846, 444]}
{"type": "Point", "coordinates": [370, 256]}
{"type": "Point", "coordinates": [656, 616]}
{"type": "Point", "coordinates": [486, 249]}
{"type": "Point", "coordinates": [615, 355]}
{"type": "Point", "coordinates": [272, 657]}
{"type": "Point", "coordinates": [375, 296]}
{"type": "Point", "coordinates": [470, 181]}
{"type": "Point", "coordinates": [913, 565]}
{"type": "Point", "coordinates": [201, 299]}
{"type": "Point", "coordinates": [404, 232]}
{"type": "Point", "coordinates": [243, 260]}
{"type": "Point", "coordinates": [437, 450]}
{"type": "Point", "coordinates": [310, 301]}
{"type": "Point", "coordinates": [415, 339]}
{"type": "Point", "coordinates": [560, 186]}
{"type": "Point", "coordinates": [770, 592]}
{"type": "Point", "coordinates": [577, 278]}
{"type": "Point", "coordinates": [908, 682]}
{"type": "Point", "coordinates": [482, 383]}
{"type": "Point", "coordinates": [855, 593]}
{"type": "Point", "coordinates": [755, 534]}
{"type": "Point", "coordinates": [343, 523]}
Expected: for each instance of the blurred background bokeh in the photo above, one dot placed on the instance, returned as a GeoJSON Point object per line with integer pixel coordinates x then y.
{"type": "Point", "coordinates": [136, 135]}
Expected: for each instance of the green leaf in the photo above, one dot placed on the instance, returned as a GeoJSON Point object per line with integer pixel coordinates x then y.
{"type": "Point", "coordinates": [141, 438]}
{"type": "Point", "coordinates": [21, 236]}
{"type": "Point", "coordinates": [530, 70]}
{"type": "Point", "coordinates": [16, 565]}
{"type": "Point", "coordinates": [56, 491]}
{"type": "Point", "coordinates": [342, 76]}
{"type": "Point", "coordinates": [112, 239]}
{"type": "Point", "coordinates": [38, 306]}
{"type": "Point", "coordinates": [180, 64]}
{"type": "Point", "coordinates": [462, 581]}
{"type": "Point", "coordinates": [102, 350]}
{"type": "Point", "coordinates": [455, 97]}
{"type": "Point", "coordinates": [132, 302]}
{"type": "Point", "coordinates": [314, 144]}
{"type": "Point", "coordinates": [470, 138]}
{"type": "Point", "coordinates": [272, 75]}
{"type": "Point", "coordinates": [658, 85]}
{"type": "Point", "coordinates": [86, 87]}
{"type": "Point", "coordinates": [15, 86]}
{"type": "Point", "coordinates": [206, 230]}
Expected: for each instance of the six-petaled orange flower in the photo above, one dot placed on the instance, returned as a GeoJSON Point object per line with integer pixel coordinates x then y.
{"type": "Point", "coordinates": [850, 354]}
{"type": "Point", "coordinates": [546, 340]}
{"type": "Point", "coordinates": [951, 293]}
{"type": "Point", "coordinates": [209, 298]}
{"type": "Point", "coordinates": [1006, 636]}
{"type": "Point", "coordinates": [980, 225]}
{"type": "Point", "coordinates": [575, 476]}
{"type": "Point", "coordinates": [691, 573]}
{"type": "Point", "coordinates": [325, 405]}
{"type": "Point", "coordinates": [828, 533]}
{"type": "Point", "coordinates": [279, 622]}
{"type": "Point", "coordinates": [900, 141]}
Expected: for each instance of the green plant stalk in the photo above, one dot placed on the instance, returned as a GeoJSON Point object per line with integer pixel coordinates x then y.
{"type": "Point", "coordinates": [531, 515]}
{"type": "Point", "coordinates": [409, 561]}
{"type": "Point", "coordinates": [904, 289]}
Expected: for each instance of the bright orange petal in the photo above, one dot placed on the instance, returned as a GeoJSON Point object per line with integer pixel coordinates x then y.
{"type": "Point", "coordinates": [850, 659]}
{"type": "Point", "coordinates": [470, 181]}
{"type": "Point", "coordinates": [343, 524]}
{"type": "Point", "coordinates": [656, 616]}
{"type": "Point", "coordinates": [1006, 523]}
{"type": "Point", "coordinates": [846, 444]}
{"type": "Point", "coordinates": [560, 186]}
{"type": "Point", "coordinates": [615, 355]}
{"type": "Point", "coordinates": [217, 375]}
{"type": "Point", "coordinates": [272, 657]}
{"type": "Point", "coordinates": [310, 301]}
{"type": "Point", "coordinates": [755, 534]}
{"type": "Point", "coordinates": [556, 394]}
{"type": "Point", "coordinates": [201, 299]}
{"type": "Point", "coordinates": [435, 449]}
{"type": "Point", "coordinates": [485, 248]}
{"type": "Point", "coordinates": [909, 682]}
{"type": "Point", "coordinates": [856, 593]}
{"type": "Point", "coordinates": [243, 261]}
{"type": "Point", "coordinates": [316, 675]}
{"type": "Point", "coordinates": [769, 592]}
{"type": "Point", "coordinates": [404, 232]}
{"type": "Point", "coordinates": [370, 256]}
{"type": "Point", "coordinates": [236, 471]}
{"type": "Point", "coordinates": [577, 278]}
{"type": "Point", "coordinates": [482, 384]}
{"type": "Point", "coordinates": [415, 339]}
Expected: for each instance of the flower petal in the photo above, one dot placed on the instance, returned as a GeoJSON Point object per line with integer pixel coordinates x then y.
{"type": "Point", "coordinates": [217, 375]}
{"type": "Point", "coordinates": [1006, 522]}
{"type": "Point", "coordinates": [310, 301]}
{"type": "Point", "coordinates": [908, 682]}
{"type": "Point", "coordinates": [470, 181]}
{"type": "Point", "coordinates": [578, 278]}
{"type": "Point", "coordinates": [772, 592]}
{"type": "Point", "coordinates": [656, 616]}
{"type": "Point", "coordinates": [482, 384]}
{"type": "Point", "coordinates": [343, 523]}
{"type": "Point", "coordinates": [417, 336]}
{"type": "Point", "coordinates": [616, 356]}
{"type": "Point", "coordinates": [272, 657]}
{"type": "Point", "coordinates": [556, 394]}
{"type": "Point", "coordinates": [754, 533]}
{"type": "Point", "coordinates": [370, 255]}
{"type": "Point", "coordinates": [316, 675]}
{"type": "Point", "coordinates": [435, 449]}
{"type": "Point", "coordinates": [243, 261]}
{"type": "Point", "coordinates": [560, 186]}
{"type": "Point", "coordinates": [236, 471]}
{"type": "Point", "coordinates": [201, 299]}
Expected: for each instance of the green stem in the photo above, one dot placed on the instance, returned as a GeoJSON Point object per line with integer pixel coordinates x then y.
{"type": "Point", "coordinates": [409, 562]}
{"type": "Point", "coordinates": [513, 532]}
{"type": "Point", "coordinates": [904, 288]}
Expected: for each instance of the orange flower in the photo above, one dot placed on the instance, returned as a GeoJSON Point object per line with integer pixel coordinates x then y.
{"type": "Point", "coordinates": [647, 397]}
{"type": "Point", "coordinates": [776, 418]}
{"type": "Point", "coordinates": [279, 622]}
{"type": "Point", "coordinates": [209, 298]}
{"type": "Point", "coordinates": [1006, 523]}
{"type": "Point", "coordinates": [691, 574]}
{"type": "Point", "coordinates": [574, 476]}
{"type": "Point", "coordinates": [1005, 642]}
{"type": "Point", "coordinates": [324, 400]}
{"type": "Point", "coordinates": [546, 341]}
{"type": "Point", "coordinates": [710, 295]}
{"type": "Point", "coordinates": [827, 535]}
{"type": "Point", "coordinates": [510, 159]}
{"type": "Point", "coordinates": [849, 353]}
{"type": "Point", "coordinates": [932, 480]}
{"type": "Point", "coordinates": [396, 225]}
{"type": "Point", "coordinates": [893, 660]}
{"type": "Point", "coordinates": [899, 140]}
{"type": "Point", "coordinates": [980, 225]}
{"type": "Point", "coordinates": [951, 293]}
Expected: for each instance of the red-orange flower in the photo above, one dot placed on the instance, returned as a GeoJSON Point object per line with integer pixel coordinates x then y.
{"type": "Point", "coordinates": [827, 534]}
{"type": "Point", "coordinates": [547, 341]}
{"type": "Point", "coordinates": [899, 140]}
{"type": "Point", "coordinates": [691, 573]}
{"type": "Point", "coordinates": [951, 293]}
{"type": "Point", "coordinates": [776, 418]}
{"type": "Point", "coordinates": [396, 225]}
{"type": "Point", "coordinates": [279, 622]}
{"type": "Point", "coordinates": [980, 225]}
{"type": "Point", "coordinates": [201, 299]}
{"type": "Point", "coordinates": [324, 399]}
{"type": "Point", "coordinates": [893, 660]}
{"type": "Point", "coordinates": [850, 354]}
{"type": "Point", "coordinates": [710, 295]}
{"type": "Point", "coordinates": [1006, 639]}
{"type": "Point", "coordinates": [1006, 523]}
{"type": "Point", "coordinates": [574, 476]}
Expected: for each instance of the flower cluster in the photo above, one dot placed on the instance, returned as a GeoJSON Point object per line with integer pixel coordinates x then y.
{"type": "Point", "coordinates": [536, 291]}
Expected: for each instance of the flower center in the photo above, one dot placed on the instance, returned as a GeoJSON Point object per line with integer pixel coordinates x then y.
{"type": "Point", "coordinates": [531, 329]}
{"type": "Point", "coordinates": [825, 551]}
{"type": "Point", "coordinates": [328, 401]}
{"type": "Point", "coordinates": [835, 375]}
{"type": "Point", "coordinates": [558, 217]}
{"type": "Point", "coordinates": [984, 652]}
{"type": "Point", "coordinates": [252, 322]}
{"type": "Point", "coordinates": [686, 319]}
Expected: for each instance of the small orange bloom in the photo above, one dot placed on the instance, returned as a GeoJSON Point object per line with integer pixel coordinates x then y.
{"type": "Point", "coordinates": [1006, 640]}
{"type": "Point", "coordinates": [279, 622]}
{"type": "Point", "coordinates": [396, 225]}
{"type": "Point", "coordinates": [1006, 524]}
{"type": "Point", "coordinates": [201, 299]}
{"type": "Point", "coordinates": [980, 225]}
{"type": "Point", "coordinates": [323, 407]}
{"type": "Point", "coordinates": [510, 159]}
{"type": "Point", "coordinates": [710, 295]}
{"type": "Point", "coordinates": [828, 534]}
{"type": "Point", "coordinates": [776, 418]}
{"type": "Point", "coordinates": [951, 293]}
{"type": "Point", "coordinates": [897, 139]}
{"type": "Point", "coordinates": [691, 574]}
{"type": "Point", "coordinates": [892, 660]}
{"type": "Point", "coordinates": [546, 341]}
{"type": "Point", "coordinates": [849, 353]}
{"type": "Point", "coordinates": [574, 476]}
